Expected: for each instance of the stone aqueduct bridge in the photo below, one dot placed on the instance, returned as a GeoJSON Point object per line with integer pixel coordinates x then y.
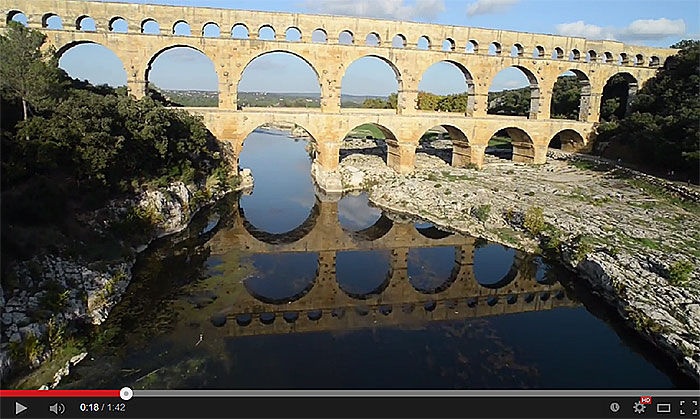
{"type": "Point", "coordinates": [325, 305]}
{"type": "Point", "coordinates": [594, 62]}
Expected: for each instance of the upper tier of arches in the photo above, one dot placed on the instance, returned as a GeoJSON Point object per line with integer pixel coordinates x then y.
{"type": "Point", "coordinates": [450, 39]}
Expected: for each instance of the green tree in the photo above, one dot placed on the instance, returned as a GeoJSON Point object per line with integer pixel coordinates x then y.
{"type": "Point", "coordinates": [510, 102]}
{"type": "Point", "coordinates": [661, 127]}
{"type": "Point", "coordinates": [566, 98]}
{"type": "Point", "coordinates": [28, 73]}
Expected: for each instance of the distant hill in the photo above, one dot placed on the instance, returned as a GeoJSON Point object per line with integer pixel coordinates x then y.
{"type": "Point", "coordinates": [204, 98]}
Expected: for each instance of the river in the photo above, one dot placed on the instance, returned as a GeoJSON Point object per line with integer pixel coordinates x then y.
{"type": "Point", "coordinates": [282, 288]}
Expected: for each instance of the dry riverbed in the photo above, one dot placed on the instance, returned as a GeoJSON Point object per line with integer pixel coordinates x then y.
{"type": "Point", "coordinates": [629, 238]}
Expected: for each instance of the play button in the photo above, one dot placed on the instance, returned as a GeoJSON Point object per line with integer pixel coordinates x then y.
{"type": "Point", "coordinates": [19, 408]}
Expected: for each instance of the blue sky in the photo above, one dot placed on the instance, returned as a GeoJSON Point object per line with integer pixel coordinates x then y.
{"type": "Point", "coordinates": [643, 22]}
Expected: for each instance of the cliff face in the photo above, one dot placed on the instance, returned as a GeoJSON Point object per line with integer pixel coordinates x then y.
{"type": "Point", "coordinates": [57, 293]}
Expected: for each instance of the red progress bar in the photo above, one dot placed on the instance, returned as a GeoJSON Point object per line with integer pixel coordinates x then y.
{"type": "Point", "coordinates": [59, 393]}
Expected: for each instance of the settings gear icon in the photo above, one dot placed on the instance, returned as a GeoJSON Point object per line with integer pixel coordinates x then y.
{"type": "Point", "coordinates": [639, 408]}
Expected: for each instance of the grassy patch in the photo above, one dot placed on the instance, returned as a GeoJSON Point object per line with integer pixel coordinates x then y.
{"type": "Point", "coordinates": [648, 243]}
{"type": "Point", "coordinates": [662, 193]}
{"type": "Point", "coordinates": [679, 273]}
{"type": "Point", "coordinates": [44, 374]}
{"type": "Point", "coordinates": [508, 236]}
{"type": "Point", "coordinates": [481, 212]}
{"type": "Point", "coordinates": [453, 178]}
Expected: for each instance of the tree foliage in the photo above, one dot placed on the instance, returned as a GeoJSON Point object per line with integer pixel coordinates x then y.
{"type": "Point", "coordinates": [99, 136]}
{"type": "Point", "coordinates": [566, 98]}
{"type": "Point", "coordinates": [510, 102]}
{"type": "Point", "coordinates": [661, 125]}
{"type": "Point", "coordinates": [27, 73]}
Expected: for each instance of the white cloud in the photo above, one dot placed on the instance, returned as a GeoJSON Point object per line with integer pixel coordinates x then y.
{"type": "Point", "coordinates": [639, 30]}
{"type": "Point", "coordinates": [584, 30]}
{"type": "Point", "coordinates": [482, 7]}
{"type": "Point", "coordinates": [651, 29]}
{"type": "Point", "coordinates": [389, 9]}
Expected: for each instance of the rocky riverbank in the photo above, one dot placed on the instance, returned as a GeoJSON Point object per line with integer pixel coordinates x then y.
{"type": "Point", "coordinates": [633, 239]}
{"type": "Point", "coordinates": [52, 294]}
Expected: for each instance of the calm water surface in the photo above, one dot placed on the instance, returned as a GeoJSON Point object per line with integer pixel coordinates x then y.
{"type": "Point", "coordinates": [285, 289]}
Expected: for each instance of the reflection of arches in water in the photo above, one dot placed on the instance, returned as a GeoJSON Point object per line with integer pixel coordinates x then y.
{"type": "Point", "coordinates": [426, 283]}
{"type": "Point", "coordinates": [362, 274]}
{"type": "Point", "coordinates": [284, 277]}
{"type": "Point", "coordinates": [489, 262]}
{"type": "Point", "coordinates": [288, 237]}
{"type": "Point", "coordinates": [360, 220]}
{"type": "Point", "coordinates": [545, 274]}
{"type": "Point", "coordinates": [430, 231]}
{"type": "Point", "coordinates": [376, 231]}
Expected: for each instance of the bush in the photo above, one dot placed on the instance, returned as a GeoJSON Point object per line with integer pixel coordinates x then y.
{"type": "Point", "coordinates": [56, 335]}
{"type": "Point", "coordinates": [551, 240]}
{"type": "Point", "coordinates": [582, 246]}
{"type": "Point", "coordinates": [534, 220]}
{"type": "Point", "coordinates": [679, 273]}
{"type": "Point", "coordinates": [481, 212]}
{"type": "Point", "coordinates": [55, 298]}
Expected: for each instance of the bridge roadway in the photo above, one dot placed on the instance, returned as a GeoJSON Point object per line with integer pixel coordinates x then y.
{"type": "Point", "coordinates": [325, 305]}
{"type": "Point", "coordinates": [542, 58]}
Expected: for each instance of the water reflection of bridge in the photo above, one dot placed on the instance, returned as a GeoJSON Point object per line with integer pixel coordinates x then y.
{"type": "Point", "coordinates": [325, 305]}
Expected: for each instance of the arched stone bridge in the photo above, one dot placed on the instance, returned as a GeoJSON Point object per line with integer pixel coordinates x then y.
{"type": "Point", "coordinates": [541, 57]}
{"type": "Point", "coordinates": [325, 305]}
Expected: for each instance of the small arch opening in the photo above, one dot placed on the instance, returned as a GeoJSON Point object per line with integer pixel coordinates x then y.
{"type": "Point", "coordinates": [623, 59]}
{"type": "Point", "coordinates": [51, 21]}
{"type": "Point", "coordinates": [372, 40]}
{"type": "Point", "coordinates": [591, 56]}
{"type": "Point", "coordinates": [495, 48]}
{"type": "Point", "coordinates": [240, 31]}
{"type": "Point", "coordinates": [292, 35]}
{"type": "Point", "coordinates": [448, 45]}
{"type": "Point", "coordinates": [182, 28]}
{"type": "Point", "coordinates": [86, 24]}
{"type": "Point", "coordinates": [654, 61]}
{"type": "Point", "coordinates": [211, 30]}
{"type": "Point", "coordinates": [574, 55]}
{"type": "Point", "coordinates": [319, 36]}
{"type": "Point", "coordinates": [150, 26]}
{"type": "Point", "coordinates": [557, 53]}
{"type": "Point", "coordinates": [608, 57]}
{"type": "Point", "coordinates": [423, 43]}
{"type": "Point", "coordinates": [517, 50]}
{"type": "Point", "coordinates": [472, 47]}
{"type": "Point", "coordinates": [118, 25]}
{"type": "Point", "coordinates": [639, 60]}
{"type": "Point", "coordinates": [17, 16]}
{"type": "Point", "coordinates": [538, 52]}
{"type": "Point", "coordinates": [266, 33]}
{"type": "Point", "coordinates": [399, 41]}
{"type": "Point", "coordinates": [346, 38]}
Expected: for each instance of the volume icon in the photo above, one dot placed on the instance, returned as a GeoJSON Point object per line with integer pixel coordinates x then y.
{"type": "Point", "coordinates": [57, 408]}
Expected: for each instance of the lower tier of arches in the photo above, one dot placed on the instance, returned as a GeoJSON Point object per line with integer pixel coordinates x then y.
{"type": "Point", "coordinates": [470, 137]}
